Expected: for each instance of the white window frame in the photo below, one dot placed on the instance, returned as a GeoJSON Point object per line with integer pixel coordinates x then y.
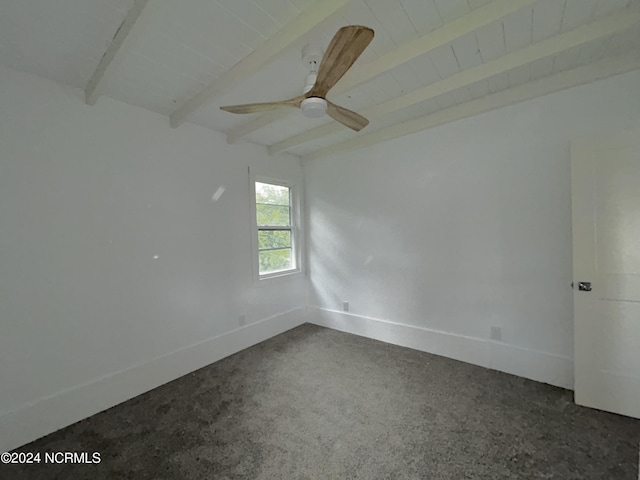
{"type": "Point", "coordinates": [295, 227]}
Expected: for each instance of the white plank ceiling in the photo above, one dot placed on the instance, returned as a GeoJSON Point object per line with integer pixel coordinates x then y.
{"type": "Point", "coordinates": [176, 50]}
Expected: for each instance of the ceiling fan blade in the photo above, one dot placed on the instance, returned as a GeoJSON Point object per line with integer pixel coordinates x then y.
{"type": "Point", "coordinates": [263, 107]}
{"type": "Point", "coordinates": [252, 107]}
{"type": "Point", "coordinates": [346, 117]}
{"type": "Point", "coordinates": [345, 48]}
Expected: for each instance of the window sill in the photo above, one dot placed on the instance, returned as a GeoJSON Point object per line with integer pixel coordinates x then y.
{"type": "Point", "coordinates": [279, 277]}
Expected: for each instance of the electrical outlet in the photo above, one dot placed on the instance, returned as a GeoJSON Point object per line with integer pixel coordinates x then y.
{"type": "Point", "coordinates": [345, 306]}
{"type": "Point", "coordinates": [242, 320]}
{"type": "Point", "coordinates": [496, 333]}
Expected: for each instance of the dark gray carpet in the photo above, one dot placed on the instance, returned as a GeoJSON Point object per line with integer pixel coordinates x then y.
{"type": "Point", "coordinates": [314, 403]}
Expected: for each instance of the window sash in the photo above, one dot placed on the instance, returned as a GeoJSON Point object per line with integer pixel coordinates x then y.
{"type": "Point", "coordinates": [274, 248]}
{"type": "Point", "coordinates": [274, 204]}
{"type": "Point", "coordinates": [276, 228]}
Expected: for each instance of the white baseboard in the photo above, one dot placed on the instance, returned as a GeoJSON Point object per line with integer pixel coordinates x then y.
{"type": "Point", "coordinates": [533, 364]}
{"type": "Point", "coordinates": [48, 414]}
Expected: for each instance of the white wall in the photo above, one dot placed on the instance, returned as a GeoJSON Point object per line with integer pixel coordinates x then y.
{"type": "Point", "coordinates": [461, 227]}
{"type": "Point", "coordinates": [432, 238]}
{"type": "Point", "coordinates": [88, 197]}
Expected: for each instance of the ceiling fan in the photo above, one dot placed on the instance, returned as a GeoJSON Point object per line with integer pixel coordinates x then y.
{"type": "Point", "coordinates": [345, 48]}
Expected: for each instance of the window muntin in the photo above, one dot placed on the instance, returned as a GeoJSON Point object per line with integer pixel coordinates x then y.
{"type": "Point", "coordinates": [276, 229]}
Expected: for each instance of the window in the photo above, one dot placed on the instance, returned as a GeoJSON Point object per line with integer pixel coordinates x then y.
{"type": "Point", "coordinates": [276, 229]}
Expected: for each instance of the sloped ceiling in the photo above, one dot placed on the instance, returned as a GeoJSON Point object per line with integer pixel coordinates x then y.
{"type": "Point", "coordinates": [431, 61]}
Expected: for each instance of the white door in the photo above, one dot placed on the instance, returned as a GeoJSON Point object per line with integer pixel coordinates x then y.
{"type": "Point", "coordinates": [605, 176]}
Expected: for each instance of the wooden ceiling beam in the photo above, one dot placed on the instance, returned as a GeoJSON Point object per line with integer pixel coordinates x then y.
{"type": "Point", "coordinates": [587, 33]}
{"type": "Point", "coordinates": [91, 91]}
{"type": "Point", "coordinates": [258, 58]}
{"type": "Point", "coordinates": [444, 35]}
{"type": "Point", "coordinates": [570, 78]}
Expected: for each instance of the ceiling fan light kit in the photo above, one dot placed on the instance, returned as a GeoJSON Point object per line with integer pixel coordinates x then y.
{"type": "Point", "coordinates": [313, 107]}
{"type": "Point", "coordinates": [345, 48]}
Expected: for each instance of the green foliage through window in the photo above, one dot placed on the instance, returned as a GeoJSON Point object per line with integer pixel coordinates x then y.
{"type": "Point", "coordinates": [276, 215]}
{"type": "Point", "coordinates": [270, 239]}
{"type": "Point", "coordinates": [272, 261]}
{"type": "Point", "coordinates": [273, 210]}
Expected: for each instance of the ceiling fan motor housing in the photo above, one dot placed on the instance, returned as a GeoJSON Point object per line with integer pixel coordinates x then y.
{"type": "Point", "coordinates": [309, 82]}
{"type": "Point", "coordinates": [313, 107]}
